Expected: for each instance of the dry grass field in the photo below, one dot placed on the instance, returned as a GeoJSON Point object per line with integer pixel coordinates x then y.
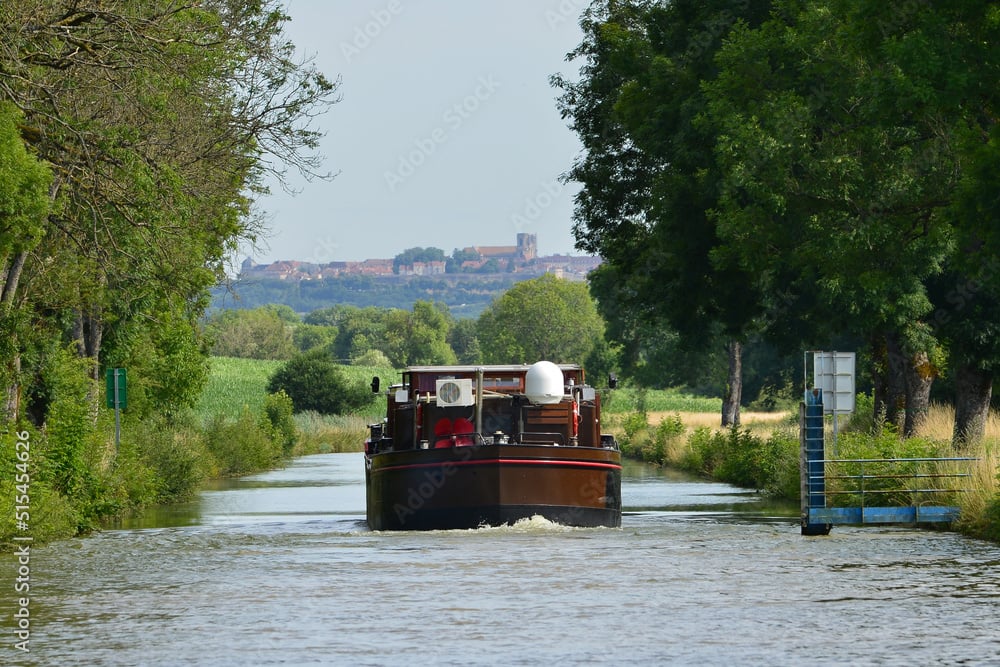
{"type": "Point", "coordinates": [941, 419]}
{"type": "Point", "coordinates": [939, 424]}
{"type": "Point", "coordinates": [693, 420]}
{"type": "Point", "coordinates": [985, 471]}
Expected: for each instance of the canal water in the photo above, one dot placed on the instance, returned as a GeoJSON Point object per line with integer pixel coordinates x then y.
{"type": "Point", "coordinates": [279, 569]}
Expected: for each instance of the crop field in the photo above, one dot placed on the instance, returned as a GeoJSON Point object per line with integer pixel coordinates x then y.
{"type": "Point", "coordinates": [237, 384]}
{"type": "Point", "coordinates": [234, 384]}
{"type": "Point", "coordinates": [628, 399]}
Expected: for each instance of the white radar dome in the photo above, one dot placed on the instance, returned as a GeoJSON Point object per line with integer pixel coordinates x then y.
{"type": "Point", "coordinates": [543, 383]}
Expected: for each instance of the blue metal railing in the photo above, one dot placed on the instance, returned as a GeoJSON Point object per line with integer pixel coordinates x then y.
{"type": "Point", "coordinates": [892, 490]}
{"type": "Point", "coordinates": [876, 490]}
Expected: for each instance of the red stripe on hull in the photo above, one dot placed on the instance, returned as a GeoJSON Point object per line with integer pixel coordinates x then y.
{"type": "Point", "coordinates": [559, 462]}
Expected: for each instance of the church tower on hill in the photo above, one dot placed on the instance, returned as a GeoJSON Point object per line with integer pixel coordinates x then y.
{"type": "Point", "coordinates": [527, 246]}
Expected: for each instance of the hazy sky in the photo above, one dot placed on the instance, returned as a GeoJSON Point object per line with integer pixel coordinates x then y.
{"type": "Point", "coordinates": [447, 135]}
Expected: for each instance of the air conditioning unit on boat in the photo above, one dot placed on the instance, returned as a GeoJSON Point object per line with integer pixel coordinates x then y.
{"type": "Point", "coordinates": [454, 392]}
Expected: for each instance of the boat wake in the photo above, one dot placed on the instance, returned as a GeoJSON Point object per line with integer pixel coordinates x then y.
{"type": "Point", "coordinates": [532, 524]}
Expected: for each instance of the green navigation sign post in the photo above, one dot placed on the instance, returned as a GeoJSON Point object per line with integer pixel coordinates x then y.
{"type": "Point", "coordinates": [117, 393]}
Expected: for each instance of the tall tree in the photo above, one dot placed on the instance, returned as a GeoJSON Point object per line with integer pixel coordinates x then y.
{"type": "Point", "coordinates": [843, 157]}
{"type": "Point", "coordinates": [24, 207]}
{"type": "Point", "coordinates": [358, 329]}
{"type": "Point", "coordinates": [160, 121]}
{"type": "Point", "coordinates": [968, 309]}
{"type": "Point", "coordinates": [418, 337]}
{"type": "Point", "coordinates": [545, 318]}
{"type": "Point", "coordinates": [872, 128]}
{"type": "Point", "coordinates": [838, 172]}
{"type": "Point", "coordinates": [648, 171]}
{"type": "Point", "coordinates": [258, 333]}
{"type": "Point", "coordinates": [463, 339]}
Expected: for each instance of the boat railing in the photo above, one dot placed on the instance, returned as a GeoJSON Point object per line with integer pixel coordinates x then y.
{"type": "Point", "coordinates": [382, 442]}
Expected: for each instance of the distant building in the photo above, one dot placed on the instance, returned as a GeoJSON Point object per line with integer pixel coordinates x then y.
{"type": "Point", "coordinates": [473, 264]}
{"type": "Point", "coordinates": [372, 267]}
{"type": "Point", "coordinates": [525, 250]}
{"type": "Point", "coordinates": [527, 246]}
{"type": "Point", "coordinates": [520, 257]}
{"type": "Point", "coordinates": [422, 269]}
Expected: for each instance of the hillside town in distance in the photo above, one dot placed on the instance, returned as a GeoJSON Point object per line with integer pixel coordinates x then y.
{"type": "Point", "coordinates": [520, 258]}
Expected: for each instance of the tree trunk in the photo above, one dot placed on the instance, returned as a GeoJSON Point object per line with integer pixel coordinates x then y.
{"type": "Point", "coordinates": [920, 373]}
{"type": "Point", "coordinates": [734, 387]}
{"type": "Point", "coordinates": [12, 397]}
{"type": "Point", "coordinates": [896, 365]}
{"type": "Point", "coordinates": [12, 279]}
{"type": "Point", "coordinates": [94, 336]}
{"type": "Point", "coordinates": [973, 391]}
{"type": "Point", "coordinates": [12, 392]}
{"type": "Point", "coordinates": [78, 334]}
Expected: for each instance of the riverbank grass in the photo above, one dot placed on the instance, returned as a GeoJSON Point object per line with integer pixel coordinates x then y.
{"type": "Point", "coordinates": [763, 454]}
{"type": "Point", "coordinates": [981, 507]}
{"type": "Point", "coordinates": [322, 434]}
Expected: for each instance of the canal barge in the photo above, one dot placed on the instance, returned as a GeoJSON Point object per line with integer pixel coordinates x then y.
{"type": "Point", "coordinates": [471, 446]}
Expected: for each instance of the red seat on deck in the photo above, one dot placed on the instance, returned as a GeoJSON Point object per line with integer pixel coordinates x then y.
{"type": "Point", "coordinates": [442, 433]}
{"type": "Point", "coordinates": [464, 431]}
{"type": "Point", "coordinates": [459, 433]}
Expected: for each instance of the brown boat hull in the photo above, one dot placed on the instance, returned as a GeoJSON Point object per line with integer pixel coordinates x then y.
{"type": "Point", "coordinates": [492, 485]}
